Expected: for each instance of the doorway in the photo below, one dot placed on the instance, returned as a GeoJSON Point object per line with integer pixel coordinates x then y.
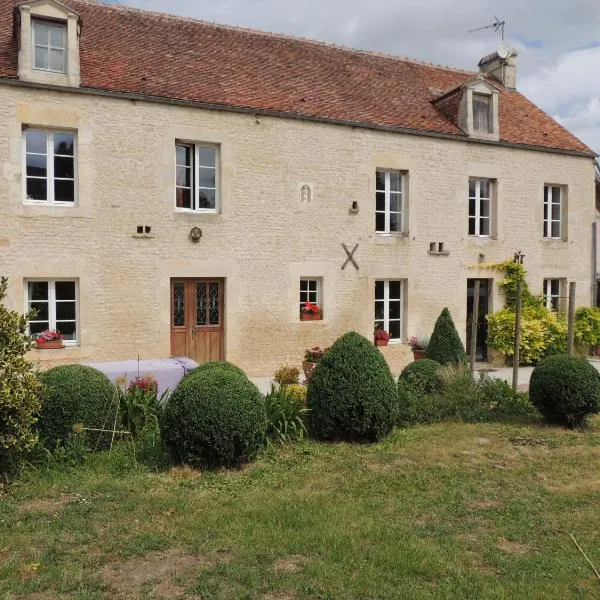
{"type": "Point", "coordinates": [197, 327]}
{"type": "Point", "coordinates": [485, 291]}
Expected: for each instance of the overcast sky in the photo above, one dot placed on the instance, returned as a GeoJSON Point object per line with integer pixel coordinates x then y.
{"type": "Point", "coordinates": [558, 40]}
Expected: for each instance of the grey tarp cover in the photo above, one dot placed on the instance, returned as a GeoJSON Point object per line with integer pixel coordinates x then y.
{"type": "Point", "coordinates": [166, 371]}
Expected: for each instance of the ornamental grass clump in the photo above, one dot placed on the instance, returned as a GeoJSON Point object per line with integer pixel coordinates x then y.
{"type": "Point", "coordinates": [77, 395]}
{"type": "Point", "coordinates": [565, 389]}
{"type": "Point", "coordinates": [214, 418]}
{"type": "Point", "coordinates": [445, 345]}
{"type": "Point", "coordinates": [352, 394]}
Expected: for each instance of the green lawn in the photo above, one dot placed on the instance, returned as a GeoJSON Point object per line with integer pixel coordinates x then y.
{"type": "Point", "coordinates": [446, 511]}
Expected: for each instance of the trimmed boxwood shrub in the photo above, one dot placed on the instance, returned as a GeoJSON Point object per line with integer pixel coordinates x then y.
{"type": "Point", "coordinates": [421, 376]}
{"type": "Point", "coordinates": [76, 394]}
{"type": "Point", "coordinates": [445, 346]}
{"type": "Point", "coordinates": [217, 364]}
{"type": "Point", "coordinates": [352, 394]}
{"type": "Point", "coordinates": [216, 417]}
{"type": "Point", "coordinates": [565, 389]}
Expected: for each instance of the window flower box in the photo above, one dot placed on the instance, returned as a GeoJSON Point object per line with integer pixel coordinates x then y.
{"type": "Point", "coordinates": [382, 337]}
{"type": "Point", "coordinates": [310, 312]}
{"type": "Point", "coordinates": [49, 340]}
{"type": "Point", "coordinates": [419, 347]}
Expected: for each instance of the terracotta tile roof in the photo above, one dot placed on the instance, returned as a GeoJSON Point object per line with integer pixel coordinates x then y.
{"type": "Point", "coordinates": [127, 50]}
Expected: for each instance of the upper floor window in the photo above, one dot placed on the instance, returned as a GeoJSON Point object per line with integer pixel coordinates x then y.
{"type": "Point", "coordinates": [480, 207]}
{"type": "Point", "coordinates": [49, 46]}
{"type": "Point", "coordinates": [55, 304]}
{"type": "Point", "coordinates": [389, 307]}
{"type": "Point", "coordinates": [310, 292]}
{"type": "Point", "coordinates": [196, 179]}
{"type": "Point", "coordinates": [482, 113]}
{"type": "Point", "coordinates": [553, 211]}
{"type": "Point", "coordinates": [49, 166]}
{"type": "Point", "coordinates": [389, 201]}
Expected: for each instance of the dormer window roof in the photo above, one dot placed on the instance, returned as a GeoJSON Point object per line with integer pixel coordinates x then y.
{"type": "Point", "coordinates": [49, 43]}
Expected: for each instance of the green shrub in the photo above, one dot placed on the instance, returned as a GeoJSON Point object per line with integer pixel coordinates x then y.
{"type": "Point", "coordinates": [416, 407]}
{"type": "Point", "coordinates": [421, 376]}
{"type": "Point", "coordinates": [504, 404]}
{"type": "Point", "coordinates": [77, 395]}
{"type": "Point", "coordinates": [587, 326]}
{"type": "Point", "coordinates": [286, 413]}
{"type": "Point", "coordinates": [216, 364]}
{"type": "Point", "coordinates": [20, 390]}
{"type": "Point", "coordinates": [565, 389]}
{"type": "Point", "coordinates": [287, 375]}
{"type": "Point", "coordinates": [352, 394]}
{"type": "Point", "coordinates": [216, 417]}
{"type": "Point", "coordinates": [445, 346]}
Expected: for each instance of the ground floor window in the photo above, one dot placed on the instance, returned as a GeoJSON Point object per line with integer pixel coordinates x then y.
{"type": "Point", "coordinates": [55, 302]}
{"type": "Point", "coordinates": [310, 295]}
{"type": "Point", "coordinates": [553, 294]}
{"type": "Point", "coordinates": [388, 307]}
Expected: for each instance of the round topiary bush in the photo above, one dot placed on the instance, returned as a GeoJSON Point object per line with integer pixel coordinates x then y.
{"type": "Point", "coordinates": [445, 345]}
{"type": "Point", "coordinates": [76, 394]}
{"type": "Point", "coordinates": [565, 389]}
{"type": "Point", "coordinates": [421, 376]}
{"type": "Point", "coordinates": [216, 417]}
{"type": "Point", "coordinates": [352, 394]}
{"type": "Point", "coordinates": [217, 364]}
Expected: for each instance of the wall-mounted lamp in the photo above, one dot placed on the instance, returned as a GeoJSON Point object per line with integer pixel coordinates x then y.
{"type": "Point", "coordinates": [195, 234]}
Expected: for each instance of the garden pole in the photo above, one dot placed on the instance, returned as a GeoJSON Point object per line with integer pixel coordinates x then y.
{"type": "Point", "coordinates": [516, 352]}
{"type": "Point", "coordinates": [474, 323]}
{"type": "Point", "coordinates": [571, 319]}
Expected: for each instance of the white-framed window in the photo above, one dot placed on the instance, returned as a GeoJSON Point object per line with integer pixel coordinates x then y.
{"type": "Point", "coordinates": [389, 302]}
{"type": "Point", "coordinates": [310, 291]}
{"type": "Point", "coordinates": [480, 207]}
{"type": "Point", "coordinates": [56, 304]}
{"type": "Point", "coordinates": [482, 113]}
{"type": "Point", "coordinates": [49, 39]}
{"type": "Point", "coordinates": [389, 201]}
{"type": "Point", "coordinates": [50, 167]}
{"type": "Point", "coordinates": [553, 294]}
{"type": "Point", "coordinates": [553, 211]}
{"type": "Point", "coordinates": [196, 186]}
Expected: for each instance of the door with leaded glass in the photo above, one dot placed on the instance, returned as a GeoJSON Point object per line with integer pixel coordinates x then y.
{"type": "Point", "coordinates": [197, 328]}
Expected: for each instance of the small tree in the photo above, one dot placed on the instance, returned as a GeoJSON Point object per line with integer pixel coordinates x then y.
{"type": "Point", "coordinates": [445, 346]}
{"type": "Point", "coordinates": [20, 390]}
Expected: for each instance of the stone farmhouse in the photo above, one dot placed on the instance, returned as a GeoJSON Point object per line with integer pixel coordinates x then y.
{"type": "Point", "coordinates": [171, 187]}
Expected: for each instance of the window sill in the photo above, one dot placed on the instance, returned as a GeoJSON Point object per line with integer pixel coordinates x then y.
{"type": "Point", "coordinates": [49, 204]}
{"type": "Point", "coordinates": [443, 253]}
{"type": "Point", "coordinates": [191, 211]}
{"type": "Point", "coordinates": [143, 236]}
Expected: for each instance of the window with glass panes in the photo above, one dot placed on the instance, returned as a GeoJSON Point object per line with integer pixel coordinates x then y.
{"type": "Point", "coordinates": [482, 113]}
{"type": "Point", "coordinates": [196, 177]}
{"type": "Point", "coordinates": [553, 211]}
{"type": "Point", "coordinates": [552, 294]}
{"type": "Point", "coordinates": [49, 46]}
{"type": "Point", "coordinates": [388, 307]}
{"type": "Point", "coordinates": [49, 166]}
{"type": "Point", "coordinates": [310, 292]}
{"type": "Point", "coordinates": [55, 303]}
{"type": "Point", "coordinates": [480, 207]}
{"type": "Point", "coordinates": [389, 201]}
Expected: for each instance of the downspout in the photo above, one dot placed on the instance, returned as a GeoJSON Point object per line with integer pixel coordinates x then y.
{"type": "Point", "coordinates": [595, 263]}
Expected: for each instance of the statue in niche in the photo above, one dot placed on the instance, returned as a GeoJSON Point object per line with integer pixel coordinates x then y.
{"type": "Point", "coordinates": [305, 193]}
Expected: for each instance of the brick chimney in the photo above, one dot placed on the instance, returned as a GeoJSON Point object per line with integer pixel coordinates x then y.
{"type": "Point", "coordinates": [502, 65]}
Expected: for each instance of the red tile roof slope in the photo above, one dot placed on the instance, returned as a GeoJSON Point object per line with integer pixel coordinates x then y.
{"type": "Point", "coordinates": [127, 50]}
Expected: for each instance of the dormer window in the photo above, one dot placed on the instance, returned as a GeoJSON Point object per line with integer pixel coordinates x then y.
{"type": "Point", "coordinates": [49, 46]}
{"type": "Point", "coordinates": [482, 113]}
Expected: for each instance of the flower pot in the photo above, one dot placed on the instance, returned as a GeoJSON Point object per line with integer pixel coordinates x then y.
{"type": "Point", "coordinates": [308, 368]}
{"type": "Point", "coordinates": [54, 345]}
{"type": "Point", "coordinates": [381, 342]}
{"type": "Point", "coordinates": [310, 316]}
{"type": "Point", "coordinates": [419, 353]}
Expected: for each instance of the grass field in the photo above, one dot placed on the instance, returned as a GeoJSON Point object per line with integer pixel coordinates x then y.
{"type": "Point", "coordinates": [444, 511]}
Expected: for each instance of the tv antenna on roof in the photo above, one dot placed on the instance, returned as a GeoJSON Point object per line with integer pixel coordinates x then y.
{"type": "Point", "coordinates": [497, 25]}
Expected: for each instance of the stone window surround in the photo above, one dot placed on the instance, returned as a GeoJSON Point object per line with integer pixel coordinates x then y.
{"type": "Point", "coordinates": [466, 110]}
{"type": "Point", "coordinates": [48, 10]}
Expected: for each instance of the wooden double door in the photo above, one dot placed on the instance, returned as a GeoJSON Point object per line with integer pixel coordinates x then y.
{"type": "Point", "coordinates": [197, 319]}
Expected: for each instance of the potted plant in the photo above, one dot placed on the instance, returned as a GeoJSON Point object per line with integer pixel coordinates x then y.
{"type": "Point", "coordinates": [419, 347]}
{"type": "Point", "coordinates": [312, 356]}
{"type": "Point", "coordinates": [310, 312]}
{"type": "Point", "coordinates": [49, 340]}
{"type": "Point", "coordinates": [382, 337]}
